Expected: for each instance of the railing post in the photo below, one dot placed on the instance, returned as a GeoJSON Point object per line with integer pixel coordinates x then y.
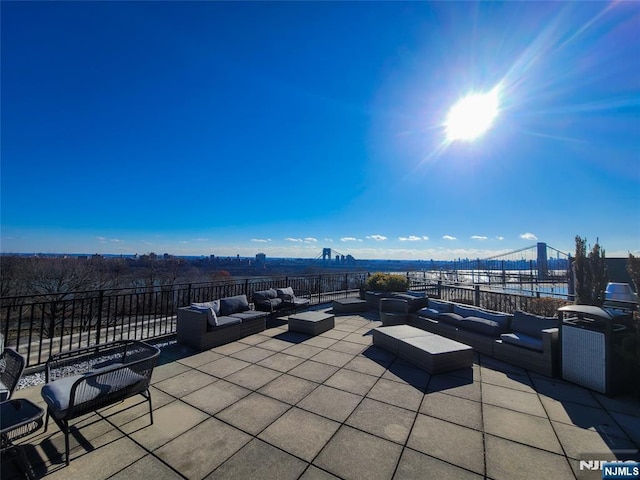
{"type": "Point", "coordinates": [346, 284]}
{"type": "Point", "coordinates": [246, 288]}
{"type": "Point", "coordinates": [319, 288]}
{"type": "Point", "coordinates": [476, 296]}
{"type": "Point", "coordinates": [188, 295]}
{"type": "Point", "coordinates": [439, 288]}
{"type": "Point", "coordinates": [99, 322]}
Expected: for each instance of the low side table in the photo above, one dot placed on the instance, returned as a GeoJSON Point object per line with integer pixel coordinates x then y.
{"type": "Point", "coordinates": [311, 323]}
{"type": "Point", "coordinates": [18, 418]}
{"type": "Point", "coordinates": [349, 305]}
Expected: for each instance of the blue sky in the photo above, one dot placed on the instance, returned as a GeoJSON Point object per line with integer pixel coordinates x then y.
{"type": "Point", "coordinates": [234, 128]}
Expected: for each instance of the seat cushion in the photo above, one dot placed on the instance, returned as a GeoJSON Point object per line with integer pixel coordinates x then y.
{"type": "Point", "coordinates": [482, 325]}
{"type": "Point", "coordinates": [464, 311]}
{"type": "Point", "coordinates": [225, 321]}
{"type": "Point", "coordinates": [229, 305]}
{"type": "Point", "coordinates": [532, 325]}
{"type": "Point", "coordinates": [450, 318]}
{"type": "Point", "coordinates": [522, 340]}
{"type": "Point", "coordinates": [299, 302]}
{"type": "Point", "coordinates": [440, 306]}
{"type": "Point", "coordinates": [431, 313]}
{"type": "Point", "coordinates": [248, 315]}
{"type": "Point", "coordinates": [286, 294]}
{"type": "Point", "coordinates": [262, 295]}
{"type": "Point", "coordinates": [57, 394]}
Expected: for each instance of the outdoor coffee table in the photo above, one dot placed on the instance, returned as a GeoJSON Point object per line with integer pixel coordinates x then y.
{"type": "Point", "coordinates": [311, 323]}
{"type": "Point", "coordinates": [349, 305]}
{"type": "Point", "coordinates": [18, 418]}
{"type": "Point", "coordinates": [426, 350]}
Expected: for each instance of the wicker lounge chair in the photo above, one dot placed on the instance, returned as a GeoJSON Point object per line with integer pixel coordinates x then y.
{"type": "Point", "coordinates": [87, 379]}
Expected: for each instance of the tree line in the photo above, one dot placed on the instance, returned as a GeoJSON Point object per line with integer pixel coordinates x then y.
{"type": "Point", "coordinates": [20, 275]}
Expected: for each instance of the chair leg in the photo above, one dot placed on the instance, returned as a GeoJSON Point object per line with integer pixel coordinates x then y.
{"type": "Point", "coordinates": [148, 395]}
{"type": "Point", "coordinates": [66, 441]}
{"type": "Point", "coordinates": [46, 420]}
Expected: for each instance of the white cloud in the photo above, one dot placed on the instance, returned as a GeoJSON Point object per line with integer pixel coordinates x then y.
{"type": "Point", "coordinates": [101, 239]}
{"type": "Point", "coordinates": [448, 237]}
{"type": "Point", "coordinates": [183, 242]}
{"type": "Point", "coordinates": [291, 239]}
{"type": "Point", "coordinates": [528, 236]}
{"type": "Point", "coordinates": [202, 239]}
{"type": "Point", "coordinates": [115, 240]}
{"type": "Point", "coordinates": [310, 240]}
{"type": "Point", "coordinates": [500, 237]}
{"type": "Point", "coordinates": [328, 239]}
{"type": "Point", "coordinates": [302, 240]}
{"type": "Point", "coordinates": [478, 237]}
{"type": "Point", "coordinates": [350, 239]}
{"type": "Point", "coordinates": [377, 238]}
{"type": "Point", "coordinates": [261, 240]}
{"type": "Point", "coordinates": [413, 238]}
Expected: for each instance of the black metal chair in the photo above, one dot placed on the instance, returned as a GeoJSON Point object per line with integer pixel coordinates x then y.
{"type": "Point", "coordinates": [11, 368]}
{"type": "Point", "coordinates": [90, 378]}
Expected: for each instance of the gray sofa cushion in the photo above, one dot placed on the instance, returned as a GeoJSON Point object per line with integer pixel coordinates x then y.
{"type": "Point", "coordinates": [57, 394]}
{"type": "Point", "coordinates": [414, 302]}
{"type": "Point", "coordinates": [236, 304]}
{"type": "Point", "coordinates": [262, 295]}
{"type": "Point", "coordinates": [482, 325]}
{"type": "Point", "coordinates": [523, 340]}
{"type": "Point", "coordinates": [440, 306]}
{"type": "Point", "coordinates": [532, 325]}
{"type": "Point", "coordinates": [465, 311]}
{"type": "Point", "coordinates": [503, 319]}
{"type": "Point", "coordinates": [248, 315]}
{"type": "Point", "coordinates": [429, 313]}
{"type": "Point", "coordinates": [215, 305]}
{"type": "Point", "coordinates": [209, 310]}
{"type": "Point", "coordinates": [450, 318]}
{"type": "Point", "coordinates": [286, 294]}
{"type": "Point", "coordinates": [226, 322]}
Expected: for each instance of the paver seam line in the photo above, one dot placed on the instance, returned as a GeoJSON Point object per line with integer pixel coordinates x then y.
{"type": "Point", "coordinates": [564, 452]}
{"type": "Point", "coordinates": [72, 429]}
{"type": "Point", "coordinates": [603, 406]}
{"type": "Point", "coordinates": [484, 435]}
{"type": "Point", "coordinates": [149, 452]}
{"type": "Point", "coordinates": [413, 424]}
{"type": "Point", "coordinates": [343, 423]}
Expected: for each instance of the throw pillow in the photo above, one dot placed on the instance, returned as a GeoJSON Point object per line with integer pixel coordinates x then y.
{"type": "Point", "coordinates": [286, 294]}
{"type": "Point", "coordinates": [212, 318]}
{"type": "Point", "coordinates": [235, 304]}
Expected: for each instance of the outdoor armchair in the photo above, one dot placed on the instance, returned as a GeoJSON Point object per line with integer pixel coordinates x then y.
{"type": "Point", "coordinates": [87, 379]}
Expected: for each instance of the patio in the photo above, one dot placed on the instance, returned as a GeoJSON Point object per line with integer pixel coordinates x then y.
{"type": "Point", "coordinates": [283, 405]}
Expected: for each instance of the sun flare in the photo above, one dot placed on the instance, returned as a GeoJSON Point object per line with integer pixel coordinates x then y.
{"type": "Point", "coordinates": [472, 116]}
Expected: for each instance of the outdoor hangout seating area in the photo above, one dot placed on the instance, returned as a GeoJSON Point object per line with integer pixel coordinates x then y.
{"type": "Point", "coordinates": [281, 404]}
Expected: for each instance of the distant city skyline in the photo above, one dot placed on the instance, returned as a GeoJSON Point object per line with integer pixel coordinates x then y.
{"type": "Point", "coordinates": [234, 128]}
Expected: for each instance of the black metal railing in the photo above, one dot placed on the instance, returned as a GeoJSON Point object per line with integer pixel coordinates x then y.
{"type": "Point", "coordinates": [40, 325]}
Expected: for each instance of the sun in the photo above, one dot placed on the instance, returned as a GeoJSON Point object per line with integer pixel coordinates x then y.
{"type": "Point", "coordinates": [472, 116]}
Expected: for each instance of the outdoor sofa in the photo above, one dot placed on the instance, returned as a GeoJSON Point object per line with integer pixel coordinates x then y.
{"type": "Point", "coordinates": [275, 300]}
{"type": "Point", "coordinates": [532, 343]}
{"type": "Point", "coordinates": [470, 325]}
{"type": "Point", "coordinates": [210, 324]}
{"type": "Point", "coordinates": [522, 339]}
